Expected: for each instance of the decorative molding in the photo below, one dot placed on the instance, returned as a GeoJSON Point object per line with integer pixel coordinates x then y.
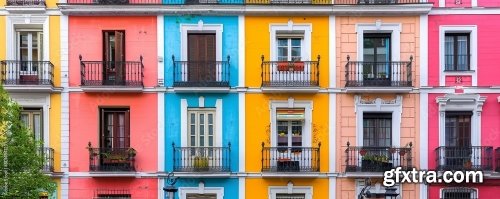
{"type": "Point", "coordinates": [290, 189]}
{"type": "Point", "coordinates": [292, 103]}
{"type": "Point", "coordinates": [26, 19]}
{"type": "Point", "coordinates": [201, 189]}
{"type": "Point", "coordinates": [201, 27]}
{"type": "Point", "coordinates": [305, 28]}
{"type": "Point", "coordinates": [380, 27]}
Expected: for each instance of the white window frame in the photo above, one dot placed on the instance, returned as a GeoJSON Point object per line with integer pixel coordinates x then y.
{"type": "Point", "coordinates": [306, 28]}
{"type": "Point", "coordinates": [201, 27]}
{"type": "Point", "coordinates": [472, 30]}
{"type": "Point", "coordinates": [289, 47]}
{"type": "Point", "coordinates": [205, 111]}
{"type": "Point", "coordinates": [474, 195]}
{"type": "Point", "coordinates": [290, 189]}
{"type": "Point", "coordinates": [218, 120]}
{"type": "Point", "coordinates": [201, 189]}
{"type": "Point", "coordinates": [383, 106]}
{"type": "Point", "coordinates": [291, 103]}
{"type": "Point", "coordinates": [360, 184]}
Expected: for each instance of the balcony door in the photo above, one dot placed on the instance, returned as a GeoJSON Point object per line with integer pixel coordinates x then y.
{"type": "Point", "coordinates": [458, 139]}
{"type": "Point", "coordinates": [29, 50]}
{"type": "Point", "coordinates": [289, 140]}
{"type": "Point", "coordinates": [290, 67]}
{"type": "Point", "coordinates": [377, 139]}
{"type": "Point", "coordinates": [115, 128]}
{"type": "Point", "coordinates": [201, 67]}
{"type": "Point", "coordinates": [114, 69]}
{"type": "Point", "coordinates": [201, 138]}
{"type": "Point", "coordinates": [32, 118]}
{"type": "Point", "coordinates": [376, 59]}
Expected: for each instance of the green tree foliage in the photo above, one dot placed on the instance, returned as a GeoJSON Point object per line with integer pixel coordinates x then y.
{"type": "Point", "coordinates": [20, 160]}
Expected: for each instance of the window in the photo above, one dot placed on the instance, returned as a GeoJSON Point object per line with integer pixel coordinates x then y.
{"type": "Point", "coordinates": [201, 196]}
{"type": "Point", "coordinates": [29, 47]}
{"type": "Point", "coordinates": [376, 56]}
{"type": "Point", "coordinates": [114, 196]}
{"type": "Point", "coordinates": [290, 127]}
{"type": "Point", "coordinates": [289, 48]}
{"type": "Point", "coordinates": [290, 196]}
{"type": "Point", "coordinates": [201, 57]}
{"type": "Point", "coordinates": [377, 129]}
{"type": "Point", "coordinates": [32, 118]}
{"type": "Point", "coordinates": [115, 128]}
{"type": "Point", "coordinates": [113, 57]}
{"type": "Point", "coordinates": [458, 129]}
{"type": "Point", "coordinates": [201, 127]}
{"type": "Point", "coordinates": [459, 193]}
{"type": "Point", "coordinates": [457, 51]}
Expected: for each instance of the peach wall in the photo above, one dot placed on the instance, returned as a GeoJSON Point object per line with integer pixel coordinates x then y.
{"type": "Point", "coordinates": [85, 38]}
{"type": "Point", "coordinates": [346, 41]}
{"type": "Point", "coordinates": [85, 188]}
{"type": "Point", "coordinates": [346, 188]}
{"type": "Point", "coordinates": [84, 126]}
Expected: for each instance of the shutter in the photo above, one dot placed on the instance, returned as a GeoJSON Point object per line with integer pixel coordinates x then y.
{"type": "Point", "coordinates": [120, 57]}
{"type": "Point", "coordinates": [193, 57]}
{"type": "Point", "coordinates": [116, 130]}
{"type": "Point", "coordinates": [210, 51]}
{"type": "Point", "coordinates": [127, 129]}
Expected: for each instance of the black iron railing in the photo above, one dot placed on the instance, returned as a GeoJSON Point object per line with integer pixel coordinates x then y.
{"type": "Point", "coordinates": [377, 159]}
{"type": "Point", "coordinates": [113, 2]}
{"type": "Point", "coordinates": [464, 158]}
{"type": "Point", "coordinates": [497, 159]}
{"type": "Point", "coordinates": [290, 73]}
{"type": "Point", "coordinates": [202, 159]}
{"type": "Point", "coordinates": [201, 73]}
{"type": "Point", "coordinates": [14, 72]}
{"type": "Point", "coordinates": [25, 2]}
{"type": "Point", "coordinates": [459, 193]}
{"type": "Point", "coordinates": [290, 159]}
{"type": "Point", "coordinates": [112, 159]}
{"type": "Point", "coordinates": [48, 159]}
{"type": "Point", "coordinates": [251, 2]}
{"type": "Point", "coordinates": [112, 73]}
{"type": "Point", "coordinates": [378, 74]}
{"type": "Point", "coordinates": [377, 2]}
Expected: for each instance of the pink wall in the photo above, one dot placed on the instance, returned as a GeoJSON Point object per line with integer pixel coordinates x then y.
{"type": "Point", "coordinates": [488, 3]}
{"type": "Point", "coordinates": [84, 126]}
{"type": "Point", "coordinates": [467, 3]}
{"type": "Point", "coordinates": [488, 48]}
{"type": "Point", "coordinates": [489, 189]}
{"type": "Point", "coordinates": [490, 127]}
{"type": "Point", "coordinates": [85, 188]}
{"type": "Point", "coordinates": [85, 38]}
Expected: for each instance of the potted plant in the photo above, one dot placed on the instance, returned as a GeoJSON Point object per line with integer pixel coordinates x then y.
{"type": "Point", "coordinates": [131, 152]}
{"type": "Point", "coordinates": [200, 163]}
{"type": "Point", "coordinates": [375, 163]}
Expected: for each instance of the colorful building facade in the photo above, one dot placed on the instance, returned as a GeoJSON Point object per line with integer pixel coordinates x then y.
{"type": "Point", "coordinates": [30, 70]}
{"type": "Point", "coordinates": [461, 100]}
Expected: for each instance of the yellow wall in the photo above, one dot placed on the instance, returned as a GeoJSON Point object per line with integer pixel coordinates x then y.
{"type": "Point", "coordinates": [48, 3]}
{"type": "Point", "coordinates": [55, 99]}
{"type": "Point", "coordinates": [258, 188]}
{"type": "Point", "coordinates": [2, 37]}
{"type": "Point", "coordinates": [257, 38]}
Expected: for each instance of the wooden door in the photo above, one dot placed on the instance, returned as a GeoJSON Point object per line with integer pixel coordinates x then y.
{"type": "Point", "coordinates": [202, 66]}
{"type": "Point", "coordinates": [114, 57]}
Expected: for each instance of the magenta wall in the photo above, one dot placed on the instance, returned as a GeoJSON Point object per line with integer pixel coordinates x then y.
{"type": "Point", "coordinates": [85, 38]}
{"type": "Point", "coordinates": [488, 48]}
{"type": "Point", "coordinates": [85, 188]}
{"type": "Point", "coordinates": [488, 190]}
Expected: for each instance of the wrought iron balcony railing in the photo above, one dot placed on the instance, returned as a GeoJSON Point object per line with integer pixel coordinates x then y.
{"type": "Point", "coordinates": [290, 73]}
{"type": "Point", "coordinates": [112, 73]}
{"type": "Point", "coordinates": [378, 74]}
{"type": "Point", "coordinates": [464, 158]}
{"type": "Point", "coordinates": [114, 2]}
{"type": "Point", "coordinates": [377, 2]}
{"type": "Point", "coordinates": [14, 72]}
{"type": "Point", "coordinates": [201, 73]}
{"type": "Point", "coordinates": [377, 159]}
{"type": "Point", "coordinates": [25, 2]}
{"type": "Point", "coordinates": [290, 159]}
{"type": "Point", "coordinates": [497, 159]}
{"type": "Point", "coordinates": [48, 159]}
{"type": "Point", "coordinates": [112, 159]}
{"type": "Point", "coordinates": [250, 2]}
{"type": "Point", "coordinates": [202, 159]}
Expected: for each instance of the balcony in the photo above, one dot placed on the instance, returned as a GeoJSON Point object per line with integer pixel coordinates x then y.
{"type": "Point", "coordinates": [377, 159]}
{"type": "Point", "coordinates": [112, 76]}
{"type": "Point", "coordinates": [114, 2]}
{"type": "Point", "coordinates": [377, 2]}
{"type": "Point", "coordinates": [48, 159]}
{"type": "Point", "coordinates": [381, 77]}
{"type": "Point", "coordinates": [290, 76]}
{"type": "Point", "coordinates": [497, 159]}
{"type": "Point", "coordinates": [27, 76]}
{"type": "Point", "coordinates": [112, 159]}
{"type": "Point", "coordinates": [464, 158]}
{"type": "Point", "coordinates": [201, 76]}
{"type": "Point", "coordinates": [202, 159]}
{"type": "Point", "coordinates": [290, 159]}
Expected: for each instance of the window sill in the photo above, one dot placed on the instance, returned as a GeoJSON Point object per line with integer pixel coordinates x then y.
{"type": "Point", "coordinates": [458, 72]}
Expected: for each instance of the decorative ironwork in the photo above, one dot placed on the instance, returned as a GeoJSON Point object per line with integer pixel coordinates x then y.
{"type": "Point", "coordinates": [48, 159]}
{"type": "Point", "coordinates": [459, 193]}
{"type": "Point", "coordinates": [377, 159]}
{"type": "Point", "coordinates": [201, 73]}
{"type": "Point", "coordinates": [202, 159]}
{"type": "Point", "coordinates": [464, 158]}
{"type": "Point", "coordinates": [15, 72]}
{"type": "Point", "coordinates": [26, 3]}
{"type": "Point", "coordinates": [112, 73]}
{"type": "Point", "coordinates": [111, 159]}
{"type": "Point", "coordinates": [290, 159]}
{"type": "Point", "coordinates": [378, 74]}
{"type": "Point", "coordinates": [114, 2]}
{"type": "Point", "coordinates": [290, 73]}
{"type": "Point", "coordinates": [112, 193]}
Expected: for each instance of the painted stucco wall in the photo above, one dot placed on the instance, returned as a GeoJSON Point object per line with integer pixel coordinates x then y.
{"type": "Point", "coordinates": [487, 56]}
{"type": "Point", "coordinates": [173, 45]}
{"type": "Point", "coordinates": [230, 185]}
{"type": "Point", "coordinates": [86, 39]}
{"type": "Point", "coordinates": [85, 188]}
{"type": "Point", "coordinates": [259, 188]}
{"type": "Point", "coordinates": [486, 190]}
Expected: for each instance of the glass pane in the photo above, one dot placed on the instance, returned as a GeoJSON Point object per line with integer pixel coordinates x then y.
{"type": "Point", "coordinates": [193, 129]}
{"type": "Point", "coordinates": [296, 53]}
{"type": "Point", "coordinates": [25, 119]}
{"type": "Point", "coordinates": [449, 52]}
{"type": "Point", "coordinates": [193, 141]}
{"type": "Point", "coordinates": [121, 133]}
{"type": "Point", "coordinates": [282, 53]}
{"type": "Point", "coordinates": [296, 42]}
{"type": "Point", "coordinates": [37, 126]}
{"type": "Point", "coordinates": [282, 42]}
{"type": "Point", "coordinates": [210, 118]}
{"type": "Point", "coordinates": [211, 141]}
{"type": "Point", "coordinates": [297, 133]}
{"type": "Point", "coordinates": [462, 53]}
{"type": "Point", "coordinates": [282, 133]}
{"type": "Point", "coordinates": [202, 141]}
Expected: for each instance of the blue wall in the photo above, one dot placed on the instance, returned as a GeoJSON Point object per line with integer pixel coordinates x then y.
{"type": "Point", "coordinates": [229, 42]}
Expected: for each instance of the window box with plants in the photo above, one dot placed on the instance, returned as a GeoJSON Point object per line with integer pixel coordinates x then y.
{"type": "Point", "coordinates": [200, 163]}
{"type": "Point", "coordinates": [290, 66]}
{"type": "Point", "coordinates": [375, 163]}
